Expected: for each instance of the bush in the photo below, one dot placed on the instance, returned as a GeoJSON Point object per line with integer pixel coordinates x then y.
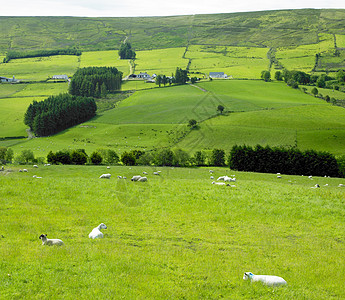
{"type": "Point", "coordinates": [6, 155]}
{"type": "Point", "coordinates": [314, 91]}
{"type": "Point", "coordinates": [128, 159]}
{"type": "Point", "coordinates": [164, 157]}
{"type": "Point", "coordinates": [63, 157]}
{"type": "Point", "coordinates": [181, 158]}
{"type": "Point", "coordinates": [96, 158]}
{"type": "Point", "coordinates": [218, 157]}
{"type": "Point", "coordinates": [199, 158]}
{"type": "Point", "coordinates": [79, 157]}
{"type": "Point", "coordinates": [110, 157]}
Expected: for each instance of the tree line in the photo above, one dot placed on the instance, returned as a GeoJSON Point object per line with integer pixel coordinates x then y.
{"type": "Point", "coordinates": [95, 81]}
{"type": "Point", "coordinates": [58, 113]}
{"type": "Point", "coordinates": [39, 53]}
{"type": "Point", "coordinates": [281, 160]}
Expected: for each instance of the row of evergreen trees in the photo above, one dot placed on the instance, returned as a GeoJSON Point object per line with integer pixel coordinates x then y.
{"type": "Point", "coordinates": [95, 81]}
{"type": "Point", "coordinates": [59, 112]}
{"type": "Point", "coordinates": [281, 160]}
{"type": "Point", "coordinates": [39, 53]}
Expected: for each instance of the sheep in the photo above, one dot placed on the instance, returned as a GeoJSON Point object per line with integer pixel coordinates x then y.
{"type": "Point", "coordinates": [341, 185]}
{"type": "Point", "coordinates": [229, 179]}
{"type": "Point", "coordinates": [96, 232]}
{"type": "Point", "coordinates": [211, 171]}
{"type": "Point", "coordinates": [105, 176]}
{"type": "Point", "coordinates": [2, 168]}
{"type": "Point", "coordinates": [221, 178]}
{"type": "Point", "coordinates": [50, 242]}
{"type": "Point", "coordinates": [142, 179]}
{"type": "Point", "coordinates": [136, 178]}
{"type": "Point", "coordinates": [156, 173]}
{"type": "Point", "coordinates": [310, 177]}
{"type": "Point", "coordinates": [266, 279]}
{"type": "Point", "coordinates": [108, 167]}
{"type": "Point", "coordinates": [315, 186]}
{"type": "Point", "coordinates": [25, 170]}
{"type": "Point", "coordinates": [35, 166]}
{"type": "Point", "coordinates": [211, 177]}
{"type": "Point", "coordinates": [20, 170]}
{"type": "Point", "coordinates": [145, 173]}
{"type": "Point", "coordinates": [279, 176]}
{"type": "Point", "coordinates": [119, 177]}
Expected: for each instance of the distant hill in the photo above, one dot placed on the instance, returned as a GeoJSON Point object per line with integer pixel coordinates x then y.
{"type": "Point", "coordinates": [254, 29]}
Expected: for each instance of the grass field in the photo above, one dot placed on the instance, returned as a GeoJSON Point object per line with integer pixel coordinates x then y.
{"type": "Point", "coordinates": [238, 62]}
{"type": "Point", "coordinates": [40, 68]}
{"type": "Point", "coordinates": [176, 236]}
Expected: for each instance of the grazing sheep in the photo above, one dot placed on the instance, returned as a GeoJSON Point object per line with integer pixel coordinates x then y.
{"type": "Point", "coordinates": [315, 186]}
{"type": "Point", "coordinates": [341, 185]}
{"type": "Point", "coordinates": [145, 173]}
{"type": "Point", "coordinates": [211, 171]}
{"type": "Point", "coordinates": [96, 232]}
{"type": "Point", "coordinates": [2, 168]}
{"type": "Point", "coordinates": [310, 177]}
{"type": "Point", "coordinates": [105, 176]}
{"type": "Point", "coordinates": [50, 242]}
{"type": "Point", "coordinates": [35, 166]}
{"type": "Point", "coordinates": [221, 178]}
{"type": "Point", "coordinates": [266, 279]}
{"type": "Point", "coordinates": [124, 177]}
{"type": "Point", "coordinates": [119, 177]}
{"type": "Point", "coordinates": [20, 170]}
{"type": "Point", "coordinates": [25, 170]}
{"type": "Point", "coordinates": [142, 179]}
{"type": "Point", "coordinates": [108, 167]}
{"type": "Point", "coordinates": [135, 178]}
{"type": "Point", "coordinates": [156, 173]}
{"type": "Point", "coordinates": [211, 177]}
{"type": "Point", "coordinates": [279, 176]}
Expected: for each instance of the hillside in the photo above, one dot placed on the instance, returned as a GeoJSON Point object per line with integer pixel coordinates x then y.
{"type": "Point", "coordinates": [257, 29]}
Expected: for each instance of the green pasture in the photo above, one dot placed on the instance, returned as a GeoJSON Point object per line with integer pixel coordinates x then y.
{"type": "Point", "coordinates": [43, 89]}
{"type": "Point", "coordinates": [12, 115]}
{"type": "Point", "coordinates": [175, 236]}
{"type": "Point", "coordinates": [40, 68]}
{"type": "Point", "coordinates": [324, 92]}
{"type": "Point", "coordinates": [104, 58]}
{"type": "Point", "coordinates": [160, 61]}
{"type": "Point", "coordinates": [340, 40]}
{"type": "Point", "coordinates": [317, 127]}
{"type": "Point", "coordinates": [238, 62]}
{"type": "Point", "coordinates": [130, 85]}
{"type": "Point", "coordinates": [7, 90]}
{"type": "Point", "coordinates": [92, 136]}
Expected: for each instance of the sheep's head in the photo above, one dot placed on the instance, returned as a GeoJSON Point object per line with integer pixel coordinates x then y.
{"type": "Point", "coordinates": [248, 275]}
{"type": "Point", "coordinates": [43, 236]}
{"type": "Point", "coordinates": [103, 226]}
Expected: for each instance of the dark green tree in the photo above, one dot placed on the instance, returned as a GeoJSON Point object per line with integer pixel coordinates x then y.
{"type": "Point", "coordinates": [314, 91]}
{"type": "Point", "coordinates": [266, 76]}
{"type": "Point", "coordinates": [220, 108]}
{"type": "Point", "coordinates": [96, 158]}
{"type": "Point", "coordinates": [192, 123]}
{"type": "Point", "coordinates": [218, 157]}
{"type": "Point", "coordinates": [128, 159]}
{"type": "Point", "coordinates": [278, 76]}
{"type": "Point", "coordinates": [126, 51]}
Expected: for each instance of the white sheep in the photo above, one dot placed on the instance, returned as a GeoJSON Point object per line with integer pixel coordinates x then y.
{"type": "Point", "coordinates": [50, 242]}
{"type": "Point", "coordinates": [20, 170]}
{"type": "Point", "coordinates": [266, 279]}
{"type": "Point", "coordinates": [211, 171]}
{"type": "Point", "coordinates": [156, 173]}
{"type": "Point", "coordinates": [145, 173]}
{"type": "Point", "coordinates": [142, 179]}
{"type": "Point", "coordinates": [229, 179]}
{"type": "Point", "coordinates": [221, 178]}
{"type": "Point", "coordinates": [315, 186]}
{"type": "Point", "coordinates": [96, 232]}
{"type": "Point", "coordinates": [108, 167]}
{"type": "Point", "coordinates": [279, 176]}
{"type": "Point", "coordinates": [35, 166]}
{"type": "Point", "coordinates": [25, 170]}
{"type": "Point", "coordinates": [105, 176]}
{"type": "Point", "coordinates": [211, 177]}
{"type": "Point", "coordinates": [136, 178]}
{"type": "Point", "coordinates": [341, 185]}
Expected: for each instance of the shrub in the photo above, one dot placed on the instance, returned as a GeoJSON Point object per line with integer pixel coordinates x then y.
{"type": "Point", "coordinates": [79, 157]}
{"type": "Point", "coordinates": [164, 157]}
{"type": "Point", "coordinates": [109, 156]}
{"type": "Point", "coordinates": [63, 157]}
{"type": "Point", "coordinates": [199, 158]}
{"type": "Point", "coordinates": [96, 158]}
{"type": "Point", "coordinates": [181, 158]}
{"type": "Point", "coordinates": [218, 157]}
{"type": "Point", "coordinates": [128, 159]}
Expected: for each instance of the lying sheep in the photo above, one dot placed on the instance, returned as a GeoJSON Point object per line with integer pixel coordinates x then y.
{"type": "Point", "coordinates": [143, 179]}
{"type": "Point", "coordinates": [341, 185]}
{"type": "Point", "coordinates": [96, 232]}
{"type": "Point", "coordinates": [221, 178]}
{"type": "Point", "coordinates": [156, 173]}
{"type": "Point", "coordinates": [145, 173]}
{"type": "Point", "coordinates": [135, 178]}
{"type": "Point", "coordinates": [315, 186]}
{"type": "Point", "coordinates": [50, 242]}
{"type": "Point", "coordinates": [35, 166]}
{"type": "Point", "coordinates": [229, 179]}
{"type": "Point", "coordinates": [218, 183]}
{"type": "Point", "coordinates": [25, 170]}
{"type": "Point", "coordinates": [211, 171]}
{"type": "Point", "coordinates": [265, 279]}
{"type": "Point", "coordinates": [279, 176]}
{"type": "Point", "coordinates": [211, 177]}
{"type": "Point", "coordinates": [105, 176]}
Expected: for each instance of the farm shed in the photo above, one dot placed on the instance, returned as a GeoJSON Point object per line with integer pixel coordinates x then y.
{"type": "Point", "coordinates": [60, 77]}
{"type": "Point", "coordinates": [218, 75]}
{"type": "Point", "coordinates": [5, 79]}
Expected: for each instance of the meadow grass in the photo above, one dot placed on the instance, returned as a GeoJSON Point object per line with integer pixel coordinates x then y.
{"type": "Point", "coordinates": [238, 62]}
{"type": "Point", "coordinates": [176, 236]}
{"type": "Point", "coordinates": [340, 40]}
{"type": "Point", "coordinates": [12, 115]}
{"type": "Point", "coordinates": [42, 89]}
{"type": "Point", "coordinates": [160, 61]}
{"type": "Point", "coordinates": [104, 58]}
{"type": "Point", "coordinates": [6, 90]}
{"type": "Point", "coordinates": [130, 85]}
{"type": "Point", "coordinates": [40, 68]}
{"type": "Point", "coordinates": [324, 92]}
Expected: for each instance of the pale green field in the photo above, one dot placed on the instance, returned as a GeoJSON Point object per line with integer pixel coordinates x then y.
{"type": "Point", "coordinates": [238, 62]}
{"type": "Point", "coordinates": [7, 90]}
{"type": "Point", "coordinates": [331, 93]}
{"type": "Point", "coordinates": [43, 89]}
{"type": "Point", "coordinates": [326, 42]}
{"type": "Point", "coordinates": [160, 61]}
{"type": "Point", "coordinates": [104, 58]}
{"type": "Point", "coordinates": [12, 115]}
{"type": "Point", "coordinates": [176, 236]}
{"type": "Point", "coordinates": [129, 85]}
{"type": "Point", "coordinates": [40, 68]}
{"type": "Point", "coordinates": [340, 40]}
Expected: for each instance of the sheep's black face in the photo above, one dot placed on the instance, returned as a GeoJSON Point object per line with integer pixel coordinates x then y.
{"type": "Point", "coordinates": [42, 236]}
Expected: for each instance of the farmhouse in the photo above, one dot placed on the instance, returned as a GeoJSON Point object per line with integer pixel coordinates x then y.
{"type": "Point", "coordinates": [5, 79]}
{"type": "Point", "coordinates": [60, 77]}
{"type": "Point", "coordinates": [144, 76]}
{"type": "Point", "coordinates": [218, 75]}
